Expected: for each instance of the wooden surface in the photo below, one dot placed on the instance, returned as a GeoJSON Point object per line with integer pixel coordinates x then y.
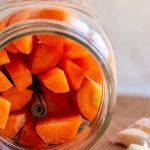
{"type": "Point", "coordinates": [127, 111]}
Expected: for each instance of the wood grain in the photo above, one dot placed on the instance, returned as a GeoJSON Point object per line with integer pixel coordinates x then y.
{"type": "Point", "coordinates": [127, 111]}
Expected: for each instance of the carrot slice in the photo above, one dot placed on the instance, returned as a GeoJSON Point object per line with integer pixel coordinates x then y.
{"type": "Point", "coordinates": [2, 26]}
{"type": "Point", "coordinates": [51, 39]}
{"type": "Point", "coordinates": [55, 80]}
{"type": "Point", "coordinates": [51, 13]}
{"type": "Point", "coordinates": [5, 84]}
{"type": "Point", "coordinates": [89, 98]}
{"type": "Point", "coordinates": [12, 49]}
{"type": "Point", "coordinates": [4, 22]}
{"type": "Point", "coordinates": [90, 67]}
{"type": "Point", "coordinates": [14, 124]}
{"type": "Point", "coordinates": [18, 99]}
{"type": "Point", "coordinates": [58, 130]}
{"type": "Point", "coordinates": [19, 72]}
{"type": "Point", "coordinates": [24, 44]}
{"type": "Point", "coordinates": [74, 74]}
{"type": "Point", "coordinates": [44, 57]}
{"type": "Point", "coordinates": [56, 103]}
{"type": "Point", "coordinates": [4, 112]}
{"type": "Point", "coordinates": [4, 59]}
{"type": "Point", "coordinates": [21, 15]}
{"type": "Point", "coordinates": [29, 136]}
{"type": "Point", "coordinates": [73, 50]}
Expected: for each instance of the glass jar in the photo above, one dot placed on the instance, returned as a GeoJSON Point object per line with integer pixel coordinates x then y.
{"type": "Point", "coordinates": [83, 27]}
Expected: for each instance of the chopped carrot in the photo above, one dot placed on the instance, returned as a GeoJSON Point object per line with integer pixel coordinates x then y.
{"type": "Point", "coordinates": [55, 80]}
{"type": "Point", "coordinates": [29, 136]}
{"type": "Point", "coordinates": [89, 98]}
{"type": "Point", "coordinates": [73, 50]}
{"type": "Point", "coordinates": [14, 124]}
{"type": "Point", "coordinates": [50, 13]}
{"type": "Point", "coordinates": [4, 59]}
{"type": "Point", "coordinates": [4, 112]}
{"type": "Point", "coordinates": [5, 84]}
{"type": "Point", "coordinates": [58, 130]}
{"type": "Point", "coordinates": [21, 15]}
{"type": "Point", "coordinates": [90, 67]}
{"type": "Point", "coordinates": [11, 48]}
{"type": "Point", "coordinates": [24, 44]}
{"type": "Point", "coordinates": [4, 22]}
{"type": "Point", "coordinates": [51, 39]}
{"type": "Point", "coordinates": [56, 103]}
{"type": "Point", "coordinates": [74, 74]}
{"type": "Point", "coordinates": [18, 99]}
{"type": "Point", "coordinates": [19, 72]}
{"type": "Point", "coordinates": [2, 26]}
{"type": "Point", "coordinates": [44, 57]}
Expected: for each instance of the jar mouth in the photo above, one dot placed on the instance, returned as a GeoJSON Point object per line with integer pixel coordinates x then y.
{"type": "Point", "coordinates": [96, 129]}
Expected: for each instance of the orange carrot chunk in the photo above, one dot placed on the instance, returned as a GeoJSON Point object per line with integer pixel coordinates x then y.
{"type": "Point", "coordinates": [4, 112]}
{"type": "Point", "coordinates": [2, 26]}
{"type": "Point", "coordinates": [56, 103]}
{"type": "Point", "coordinates": [73, 50]}
{"type": "Point", "coordinates": [18, 99]}
{"type": "Point", "coordinates": [12, 49]}
{"type": "Point", "coordinates": [55, 80]}
{"type": "Point", "coordinates": [21, 15]}
{"type": "Point", "coordinates": [89, 98]}
{"type": "Point", "coordinates": [4, 22]}
{"type": "Point", "coordinates": [90, 67]}
{"type": "Point", "coordinates": [5, 84]}
{"type": "Point", "coordinates": [74, 74]}
{"type": "Point", "coordinates": [4, 59]}
{"type": "Point", "coordinates": [19, 72]}
{"type": "Point", "coordinates": [49, 13]}
{"type": "Point", "coordinates": [44, 57]}
{"type": "Point", "coordinates": [14, 124]}
{"type": "Point", "coordinates": [29, 136]}
{"type": "Point", "coordinates": [51, 39]}
{"type": "Point", "coordinates": [58, 130]}
{"type": "Point", "coordinates": [24, 44]}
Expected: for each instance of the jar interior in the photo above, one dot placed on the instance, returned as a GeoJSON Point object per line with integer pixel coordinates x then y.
{"type": "Point", "coordinates": [73, 61]}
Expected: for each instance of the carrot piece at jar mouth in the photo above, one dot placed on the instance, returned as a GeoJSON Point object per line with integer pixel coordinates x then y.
{"type": "Point", "coordinates": [73, 50]}
{"type": "Point", "coordinates": [58, 129]}
{"type": "Point", "coordinates": [44, 57]}
{"type": "Point", "coordinates": [51, 13]}
{"type": "Point", "coordinates": [5, 84]}
{"type": "Point", "coordinates": [19, 72]}
{"type": "Point", "coordinates": [89, 98]}
{"type": "Point", "coordinates": [24, 44]}
{"type": "Point", "coordinates": [5, 22]}
{"type": "Point", "coordinates": [51, 39]}
{"type": "Point", "coordinates": [4, 59]}
{"type": "Point", "coordinates": [56, 103]}
{"type": "Point", "coordinates": [90, 67]}
{"type": "Point", "coordinates": [4, 112]}
{"type": "Point", "coordinates": [29, 136]}
{"type": "Point", "coordinates": [14, 124]}
{"type": "Point", "coordinates": [55, 80]}
{"type": "Point", "coordinates": [74, 74]}
{"type": "Point", "coordinates": [20, 16]}
{"type": "Point", "coordinates": [18, 99]}
{"type": "Point", "coordinates": [11, 48]}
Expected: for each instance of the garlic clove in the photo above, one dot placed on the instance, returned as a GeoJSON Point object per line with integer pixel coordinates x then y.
{"type": "Point", "coordinates": [131, 135]}
{"type": "Point", "coordinates": [137, 147]}
{"type": "Point", "coordinates": [143, 124]}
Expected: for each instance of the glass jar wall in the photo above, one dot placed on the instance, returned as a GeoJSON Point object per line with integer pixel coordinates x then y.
{"type": "Point", "coordinates": [59, 53]}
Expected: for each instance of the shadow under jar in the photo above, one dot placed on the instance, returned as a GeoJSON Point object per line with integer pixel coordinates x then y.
{"type": "Point", "coordinates": [58, 77]}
